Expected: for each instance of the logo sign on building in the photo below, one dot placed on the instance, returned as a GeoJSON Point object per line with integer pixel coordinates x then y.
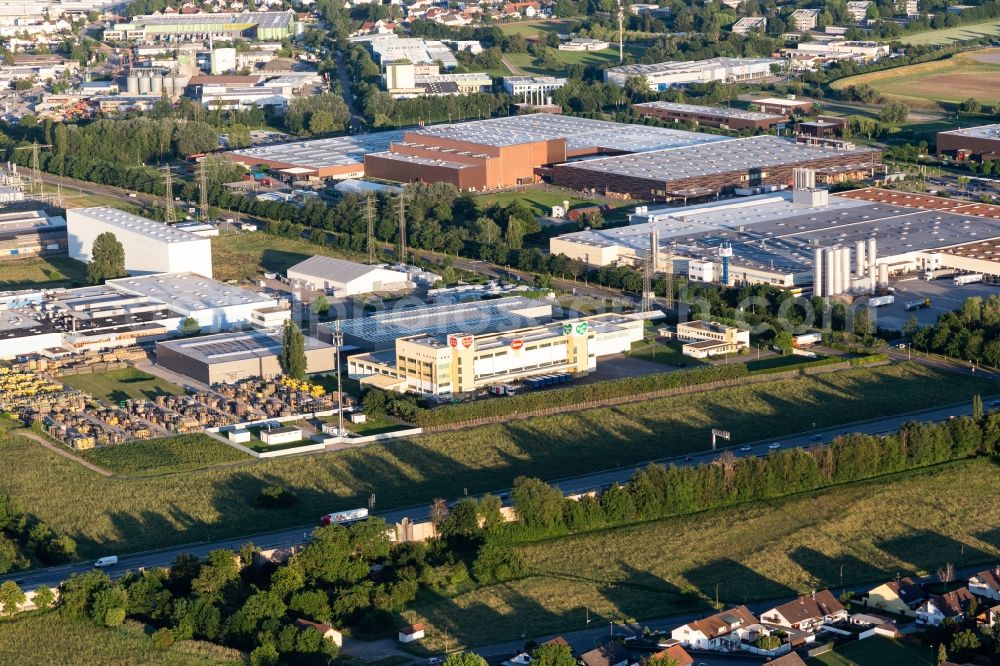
{"type": "Point", "coordinates": [516, 343]}
{"type": "Point", "coordinates": [567, 329]}
{"type": "Point", "coordinates": [581, 328]}
{"type": "Point", "coordinates": [467, 341]}
{"type": "Point", "coordinates": [452, 341]}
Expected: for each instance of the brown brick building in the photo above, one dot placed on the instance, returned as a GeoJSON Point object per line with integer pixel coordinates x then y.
{"type": "Point", "coordinates": [711, 116]}
{"type": "Point", "coordinates": [981, 142]}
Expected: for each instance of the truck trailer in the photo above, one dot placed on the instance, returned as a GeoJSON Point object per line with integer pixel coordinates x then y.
{"type": "Point", "coordinates": [879, 301]}
{"type": "Point", "coordinates": [806, 339]}
{"type": "Point", "coordinates": [344, 517]}
{"type": "Point", "coordinates": [968, 278]}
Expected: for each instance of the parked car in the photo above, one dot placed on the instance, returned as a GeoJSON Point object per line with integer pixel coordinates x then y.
{"type": "Point", "coordinates": [774, 446]}
{"type": "Point", "coordinates": [745, 448]}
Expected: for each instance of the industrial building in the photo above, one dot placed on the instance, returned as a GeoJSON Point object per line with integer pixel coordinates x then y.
{"type": "Point", "coordinates": [803, 237]}
{"type": "Point", "coordinates": [804, 19]}
{"type": "Point", "coordinates": [344, 278]}
{"type": "Point", "coordinates": [402, 80]}
{"type": "Point", "coordinates": [337, 157]}
{"type": "Point", "coordinates": [505, 152]}
{"type": "Point", "coordinates": [393, 48]}
{"type": "Point", "coordinates": [703, 339]}
{"type": "Point", "coordinates": [216, 306]}
{"type": "Point", "coordinates": [981, 143]}
{"type": "Point", "coordinates": [31, 233]}
{"type": "Point", "coordinates": [714, 169]}
{"type": "Point", "coordinates": [257, 26]}
{"type": "Point", "coordinates": [410, 317]}
{"type": "Point", "coordinates": [462, 362]}
{"type": "Point", "coordinates": [150, 246]}
{"type": "Point", "coordinates": [230, 357]}
{"type": "Point", "coordinates": [783, 106]}
{"type": "Point", "coordinates": [713, 116]}
{"type": "Point", "coordinates": [532, 88]}
{"type": "Point", "coordinates": [139, 310]}
{"type": "Point", "coordinates": [665, 75]}
{"type": "Point", "coordinates": [748, 24]}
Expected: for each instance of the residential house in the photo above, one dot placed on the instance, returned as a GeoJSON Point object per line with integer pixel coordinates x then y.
{"type": "Point", "coordinates": [677, 653]}
{"type": "Point", "coordinates": [790, 659]}
{"type": "Point", "coordinates": [526, 9]}
{"type": "Point", "coordinates": [325, 630]}
{"type": "Point", "coordinates": [993, 615]}
{"type": "Point", "coordinates": [722, 631]}
{"type": "Point", "coordinates": [897, 596]}
{"type": "Point", "coordinates": [606, 655]}
{"type": "Point", "coordinates": [807, 613]}
{"type": "Point", "coordinates": [986, 583]}
{"type": "Point", "coordinates": [413, 632]}
{"type": "Point", "coordinates": [939, 607]}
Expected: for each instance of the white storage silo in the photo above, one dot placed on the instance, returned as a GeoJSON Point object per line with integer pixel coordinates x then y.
{"type": "Point", "coordinates": [818, 272]}
{"type": "Point", "coordinates": [845, 270]}
{"type": "Point", "coordinates": [830, 274]}
{"type": "Point", "coordinates": [132, 84]}
{"type": "Point", "coordinates": [156, 85]}
{"type": "Point", "coordinates": [143, 85]}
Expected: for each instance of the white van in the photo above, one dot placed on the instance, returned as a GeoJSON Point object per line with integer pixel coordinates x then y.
{"type": "Point", "coordinates": [108, 561]}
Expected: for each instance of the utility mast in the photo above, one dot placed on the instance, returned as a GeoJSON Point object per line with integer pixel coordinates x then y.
{"type": "Point", "coordinates": [370, 213]}
{"type": "Point", "coordinates": [36, 171]}
{"type": "Point", "coordinates": [668, 275]}
{"type": "Point", "coordinates": [203, 190]}
{"type": "Point", "coordinates": [621, 33]}
{"type": "Point", "coordinates": [169, 215]}
{"type": "Point", "coordinates": [402, 229]}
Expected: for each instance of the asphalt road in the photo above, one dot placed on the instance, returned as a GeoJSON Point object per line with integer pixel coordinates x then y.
{"type": "Point", "coordinates": [298, 535]}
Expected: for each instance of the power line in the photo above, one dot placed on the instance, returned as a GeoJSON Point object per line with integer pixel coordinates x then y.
{"type": "Point", "coordinates": [36, 171]}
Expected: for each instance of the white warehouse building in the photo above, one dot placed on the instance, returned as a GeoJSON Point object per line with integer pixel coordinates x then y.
{"type": "Point", "coordinates": [345, 278]}
{"type": "Point", "coordinates": [150, 246]}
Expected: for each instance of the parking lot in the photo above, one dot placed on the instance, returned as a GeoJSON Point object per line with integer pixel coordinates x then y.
{"type": "Point", "coordinates": [944, 296]}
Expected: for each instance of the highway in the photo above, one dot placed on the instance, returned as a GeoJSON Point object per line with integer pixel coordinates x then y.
{"type": "Point", "coordinates": [298, 535]}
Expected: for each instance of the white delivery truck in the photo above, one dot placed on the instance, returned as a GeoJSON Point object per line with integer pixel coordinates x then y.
{"type": "Point", "coordinates": [344, 517]}
{"type": "Point", "coordinates": [107, 561]}
{"type": "Point", "coordinates": [968, 278]}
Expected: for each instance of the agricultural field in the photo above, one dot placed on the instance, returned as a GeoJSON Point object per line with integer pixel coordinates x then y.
{"type": "Point", "coordinates": [758, 551]}
{"type": "Point", "coordinates": [119, 514]}
{"type": "Point", "coordinates": [877, 651]}
{"type": "Point", "coordinates": [952, 35]}
{"type": "Point", "coordinates": [50, 638]}
{"type": "Point", "coordinates": [163, 455]}
{"type": "Point", "coordinates": [118, 385]}
{"type": "Point", "coordinates": [44, 272]}
{"type": "Point", "coordinates": [939, 84]}
{"type": "Point", "coordinates": [246, 256]}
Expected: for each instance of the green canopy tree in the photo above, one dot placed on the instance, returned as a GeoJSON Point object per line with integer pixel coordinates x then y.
{"type": "Point", "coordinates": [293, 351]}
{"type": "Point", "coordinates": [107, 259]}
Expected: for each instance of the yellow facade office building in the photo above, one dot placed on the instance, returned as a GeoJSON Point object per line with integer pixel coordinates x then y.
{"type": "Point", "coordinates": [460, 363]}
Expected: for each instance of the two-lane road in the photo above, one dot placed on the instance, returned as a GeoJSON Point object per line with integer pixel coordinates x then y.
{"type": "Point", "coordinates": [298, 535]}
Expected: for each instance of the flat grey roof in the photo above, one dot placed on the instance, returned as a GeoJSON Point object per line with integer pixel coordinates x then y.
{"type": "Point", "coordinates": [708, 159]}
{"type": "Point", "coordinates": [980, 132]}
{"type": "Point", "coordinates": [499, 314]}
{"type": "Point", "coordinates": [262, 19]}
{"type": "Point", "coordinates": [228, 347]}
{"type": "Point", "coordinates": [337, 270]}
{"type": "Point", "coordinates": [28, 220]}
{"type": "Point", "coordinates": [189, 292]}
{"type": "Point", "coordinates": [580, 133]}
{"type": "Point", "coordinates": [679, 66]}
{"type": "Point", "coordinates": [335, 151]}
{"type": "Point", "coordinates": [142, 225]}
{"type": "Point", "coordinates": [721, 111]}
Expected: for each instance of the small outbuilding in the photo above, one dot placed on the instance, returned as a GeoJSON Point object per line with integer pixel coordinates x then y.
{"type": "Point", "coordinates": [411, 633]}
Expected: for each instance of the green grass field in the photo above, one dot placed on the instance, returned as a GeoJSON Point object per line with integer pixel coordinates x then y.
{"type": "Point", "coordinates": [763, 550]}
{"type": "Point", "coordinates": [247, 256]}
{"type": "Point", "coordinates": [47, 272]}
{"type": "Point", "coordinates": [937, 84]}
{"type": "Point", "coordinates": [50, 638]}
{"type": "Point", "coordinates": [163, 455]}
{"type": "Point", "coordinates": [606, 58]}
{"type": "Point", "coordinates": [666, 353]}
{"type": "Point", "coordinates": [121, 515]}
{"type": "Point", "coordinates": [952, 35]}
{"type": "Point", "coordinates": [119, 385]}
{"type": "Point", "coordinates": [535, 28]}
{"type": "Point", "coordinates": [540, 200]}
{"type": "Point", "coordinates": [877, 651]}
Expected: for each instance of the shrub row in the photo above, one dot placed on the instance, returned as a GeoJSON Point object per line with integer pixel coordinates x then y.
{"type": "Point", "coordinates": [573, 395]}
